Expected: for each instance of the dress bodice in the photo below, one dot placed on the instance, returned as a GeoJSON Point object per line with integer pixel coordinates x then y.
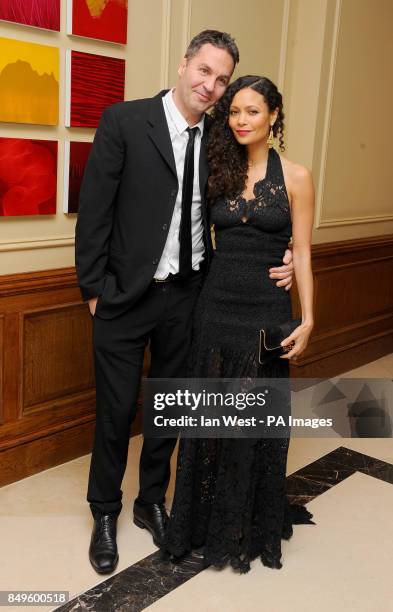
{"type": "Point", "coordinates": [268, 210]}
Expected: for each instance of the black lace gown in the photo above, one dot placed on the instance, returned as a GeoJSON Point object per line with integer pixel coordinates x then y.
{"type": "Point", "coordinates": [230, 494]}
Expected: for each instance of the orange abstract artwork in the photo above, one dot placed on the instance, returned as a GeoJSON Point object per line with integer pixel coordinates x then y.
{"type": "Point", "coordinates": [29, 82]}
{"type": "Point", "coordinates": [96, 7]}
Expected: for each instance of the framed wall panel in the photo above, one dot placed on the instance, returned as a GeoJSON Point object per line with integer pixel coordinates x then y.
{"type": "Point", "coordinates": [60, 339]}
{"type": "Point", "coordinates": [28, 177]}
{"type": "Point", "coordinates": [38, 13]}
{"type": "Point", "coordinates": [93, 82]}
{"type": "Point", "coordinates": [29, 82]}
{"type": "Point", "coordinates": [75, 158]}
{"type": "Point", "coordinates": [100, 19]}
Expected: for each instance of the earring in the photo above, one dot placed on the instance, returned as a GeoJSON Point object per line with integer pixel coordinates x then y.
{"type": "Point", "coordinates": [270, 140]}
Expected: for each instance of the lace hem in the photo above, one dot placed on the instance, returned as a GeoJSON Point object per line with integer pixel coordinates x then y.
{"type": "Point", "coordinates": [269, 553]}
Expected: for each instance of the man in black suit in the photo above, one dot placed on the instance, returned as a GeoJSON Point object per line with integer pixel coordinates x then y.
{"type": "Point", "coordinates": [142, 248]}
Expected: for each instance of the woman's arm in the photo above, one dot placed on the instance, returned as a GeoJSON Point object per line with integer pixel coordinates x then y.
{"type": "Point", "coordinates": [302, 204]}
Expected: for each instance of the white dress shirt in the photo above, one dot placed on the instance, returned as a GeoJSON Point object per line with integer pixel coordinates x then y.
{"type": "Point", "coordinates": [169, 262]}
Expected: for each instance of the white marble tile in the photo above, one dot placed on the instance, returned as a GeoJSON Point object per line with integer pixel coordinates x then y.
{"type": "Point", "coordinates": [45, 529]}
{"type": "Point", "coordinates": [342, 563]}
{"type": "Point", "coordinates": [380, 368]}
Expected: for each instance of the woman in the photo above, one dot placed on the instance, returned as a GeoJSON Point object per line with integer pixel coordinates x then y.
{"type": "Point", "coordinates": [230, 493]}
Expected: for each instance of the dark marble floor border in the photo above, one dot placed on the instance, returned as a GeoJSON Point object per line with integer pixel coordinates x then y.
{"type": "Point", "coordinates": [146, 581]}
{"type": "Point", "coordinates": [334, 467]}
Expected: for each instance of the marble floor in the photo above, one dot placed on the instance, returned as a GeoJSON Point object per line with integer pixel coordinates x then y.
{"type": "Point", "coordinates": [344, 562]}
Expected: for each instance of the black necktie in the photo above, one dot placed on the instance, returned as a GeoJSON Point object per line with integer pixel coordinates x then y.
{"type": "Point", "coordinates": [185, 256]}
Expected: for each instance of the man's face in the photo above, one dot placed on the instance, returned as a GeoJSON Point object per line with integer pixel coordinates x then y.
{"type": "Point", "coordinates": [204, 78]}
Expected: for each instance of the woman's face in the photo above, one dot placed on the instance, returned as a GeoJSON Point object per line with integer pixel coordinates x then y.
{"type": "Point", "coordinates": [249, 117]}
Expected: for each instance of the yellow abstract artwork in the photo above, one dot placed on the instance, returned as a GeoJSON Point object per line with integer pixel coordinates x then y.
{"type": "Point", "coordinates": [29, 82]}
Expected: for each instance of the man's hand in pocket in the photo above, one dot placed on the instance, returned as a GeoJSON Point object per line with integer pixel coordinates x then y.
{"type": "Point", "coordinates": [93, 306]}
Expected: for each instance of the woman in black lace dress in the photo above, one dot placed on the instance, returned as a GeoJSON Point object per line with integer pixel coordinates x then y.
{"type": "Point", "coordinates": [230, 495]}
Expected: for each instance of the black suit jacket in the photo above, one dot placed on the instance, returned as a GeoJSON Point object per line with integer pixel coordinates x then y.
{"type": "Point", "coordinates": [126, 203]}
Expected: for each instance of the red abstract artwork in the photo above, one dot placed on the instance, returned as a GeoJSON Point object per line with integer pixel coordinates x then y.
{"type": "Point", "coordinates": [102, 19]}
{"type": "Point", "coordinates": [75, 159]}
{"type": "Point", "coordinates": [93, 82]}
{"type": "Point", "coordinates": [38, 13]}
{"type": "Point", "coordinates": [28, 177]}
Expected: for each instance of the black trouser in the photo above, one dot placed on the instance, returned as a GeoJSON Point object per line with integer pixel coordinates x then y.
{"type": "Point", "coordinates": [164, 316]}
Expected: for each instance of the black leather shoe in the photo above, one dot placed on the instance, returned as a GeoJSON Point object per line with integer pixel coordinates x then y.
{"type": "Point", "coordinates": [103, 548]}
{"type": "Point", "coordinates": [152, 517]}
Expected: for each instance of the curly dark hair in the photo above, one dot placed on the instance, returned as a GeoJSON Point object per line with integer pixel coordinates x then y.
{"type": "Point", "coordinates": [227, 158]}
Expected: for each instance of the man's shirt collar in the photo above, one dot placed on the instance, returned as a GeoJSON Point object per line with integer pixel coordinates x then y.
{"type": "Point", "coordinates": [177, 118]}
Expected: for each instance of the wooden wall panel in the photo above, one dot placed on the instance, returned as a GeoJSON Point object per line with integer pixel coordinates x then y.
{"type": "Point", "coordinates": [47, 395]}
{"type": "Point", "coordinates": [12, 365]}
{"type": "Point", "coordinates": [1, 368]}
{"type": "Point", "coordinates": [353, 305]}
{"type": "Point", "coordinates": [57, 353]}
{"type": "Point", "coordinates": [22, 460]}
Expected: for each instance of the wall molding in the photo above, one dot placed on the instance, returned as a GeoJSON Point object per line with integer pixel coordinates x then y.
{"type": "Point", "coordinates": [187, 23]}
{"type": "Point", "coordinates": [322, 221]}
{"type": "Point", "coordinates": [36, 282]}
{"type": "Point", "coordinates": [284, 45]}
{"type": "Point", "coordinates": [354, 220]}
{"type": "Point", "coordinates": [165, 42]}
{"type": "Point", "coordinates": [37, 243]}
{"type": "Point", "coordinates": [328, 115]}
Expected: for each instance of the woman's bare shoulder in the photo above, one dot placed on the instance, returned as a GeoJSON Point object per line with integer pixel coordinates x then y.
{"type": "Point", "coordinates": [294, 172]}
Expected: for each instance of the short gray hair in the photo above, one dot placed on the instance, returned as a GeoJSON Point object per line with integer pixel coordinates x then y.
{"type": "Point", "coordinates": [221, 40]}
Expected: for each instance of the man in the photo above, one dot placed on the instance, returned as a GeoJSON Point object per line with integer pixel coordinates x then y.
{"type": "Point", "coordinates": [142, 248]}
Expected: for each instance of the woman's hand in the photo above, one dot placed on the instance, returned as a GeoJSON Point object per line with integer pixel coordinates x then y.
{"type": "Point", "coordinates": [297, 341]}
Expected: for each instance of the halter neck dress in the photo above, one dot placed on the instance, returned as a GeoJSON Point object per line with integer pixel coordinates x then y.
{"type": "Point", "coordinates": [230, 493]}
